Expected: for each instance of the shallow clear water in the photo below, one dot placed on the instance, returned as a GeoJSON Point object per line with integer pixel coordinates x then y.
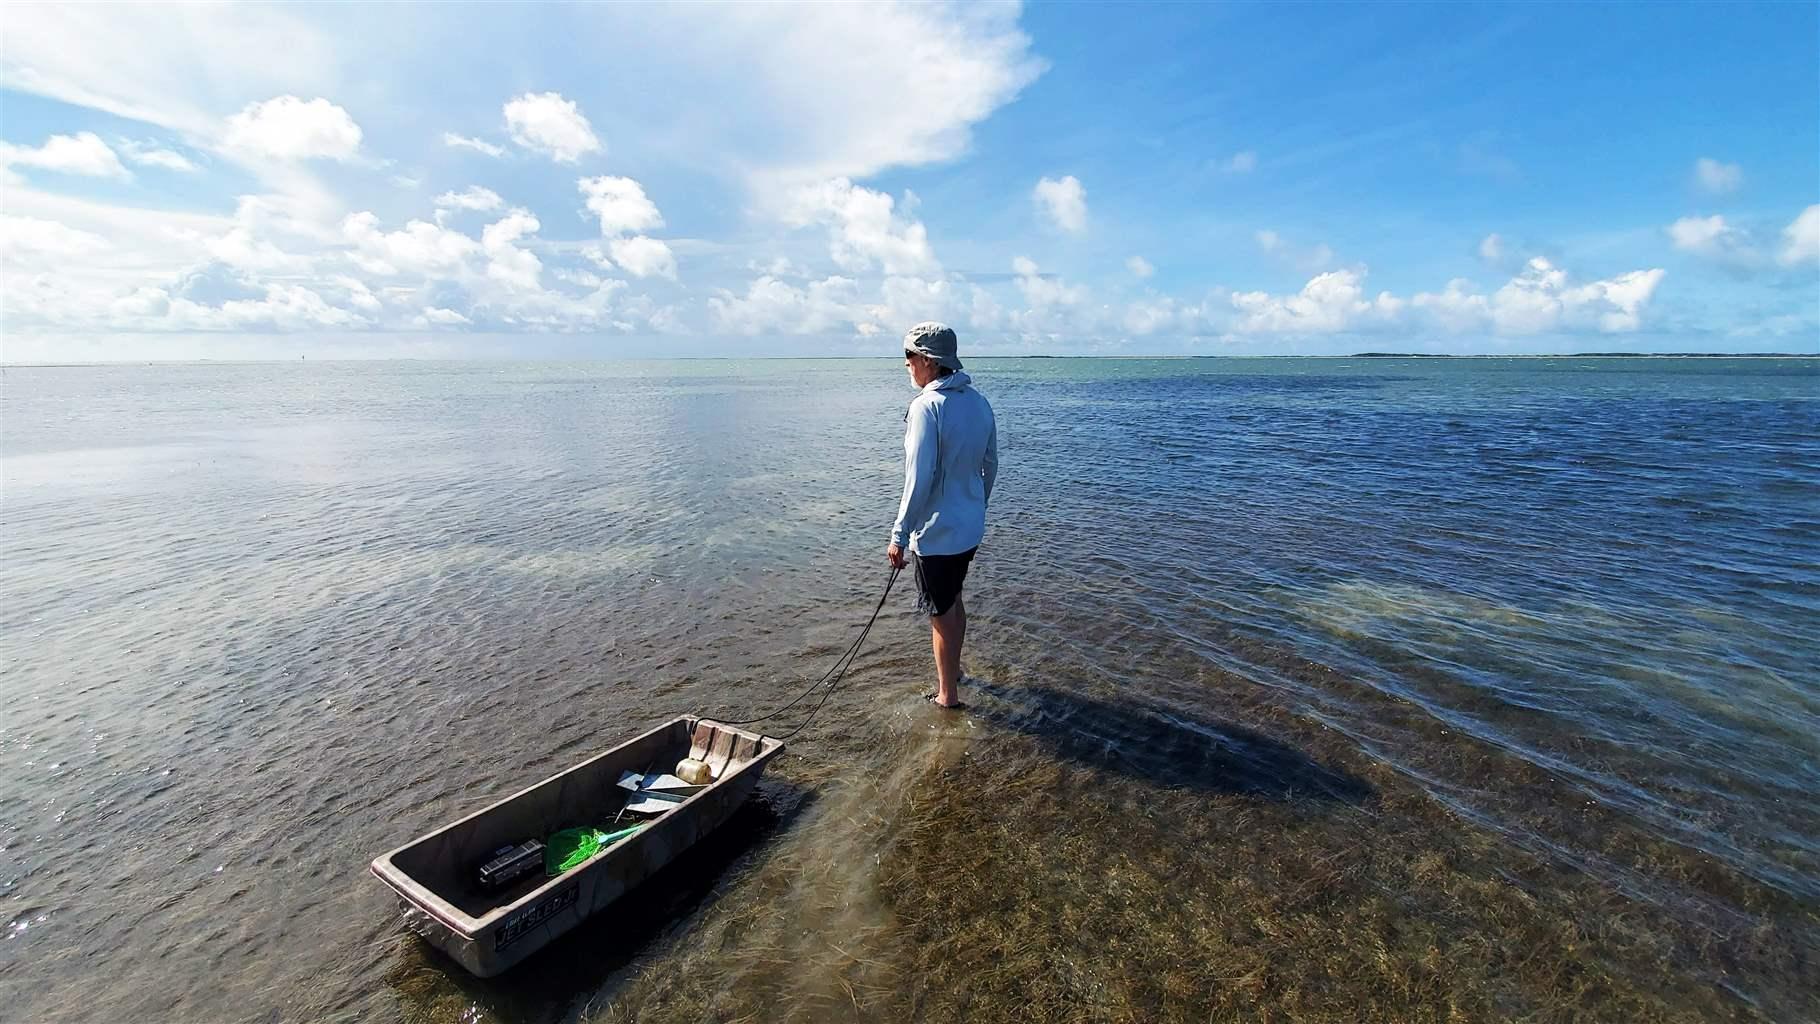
{"type": "Point", "coordinates": [1302, 688]}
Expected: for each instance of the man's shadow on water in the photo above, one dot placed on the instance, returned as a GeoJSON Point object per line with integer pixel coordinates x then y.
{"type": "Point", "coordinates": [585, 964]}
{"type": "Point", "coordinates": [1165, 747]}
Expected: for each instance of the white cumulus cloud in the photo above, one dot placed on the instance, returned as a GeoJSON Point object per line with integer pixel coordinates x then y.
{"type": "Point", "coordinates": [274, 233]}
{"type": "Point", "coordinates": [1328, 303]}
{"type": "Point", "coordinates": [1458, 309]}
{"type": "Point", "coordinates": [1716, 177]}
{"type": "Point", "coordinates": [1801, 239]}
{"type": "Point", "coordinates": [1491, 249]}
{"type": "Point", "coordinates": [771, 306]}
{"type": "Point", "coordinates": [905, 300]}
{"type": "Point", "coordinates": [33, 236]}
{"type": "Point", "coordinates": [434, 316]}
{"type": "Point", "coordinates": [1150, 316]}
{"type": "Point", "coordinates": [644, 257]}
{"type": "Point", "coordinates": [473, 197]}
{"type": "Point", "coordinates": [1043, 291]}
{"type": "Point", "coordinates": [621, 205]}
{"type": "Point", "coordinates": [1618, 302]}
{"type": "Point", "coordinates": [1749, 247]}
{"type": "Point", "coordinates": [82, 153]}
{"type": "Point", "coordinates": [419, 248]}
{"type": "Point", "coordinates": [358, 294]}
{"type": "Point", "coordinates": [455, 141]}
{"type": "Point", "coordinates": [517, 268]}
{"type": "Point", "coordinates": [1139, 266]}
{"type": "Point", "coordinates": [547, 123]}
{"type": "Point", "coordinates": [288, 128]}
{"type": "Point", "coordinates": [174, 65]}
{"type": "Point", "coordinates": [281, 307]}
{"type": "Point", "coordinates": [844, 91]}
{"type": "Point", "coordinates": [1063, 202]}
{"type": "Point", "coordinates": [1542, 299]}
{"type": "Point", "coordinates": [625, 212]}
{"type": "Point", "coordinates": [1706, 235]}
{"type": "Point", "coordinates": [151, 155]}
{"type": "Point", "coordinates": [864, 228]}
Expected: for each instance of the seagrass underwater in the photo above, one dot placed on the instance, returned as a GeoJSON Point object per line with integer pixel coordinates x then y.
{"type": "Point", "coordinates": [1308, 689]}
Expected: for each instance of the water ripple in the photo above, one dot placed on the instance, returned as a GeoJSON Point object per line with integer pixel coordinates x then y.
{"type": "Point", "coordinates": [263, 622]}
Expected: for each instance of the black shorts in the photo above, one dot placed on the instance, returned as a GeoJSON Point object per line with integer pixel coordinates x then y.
{"type": "Point", "coordinates": [939, 579]}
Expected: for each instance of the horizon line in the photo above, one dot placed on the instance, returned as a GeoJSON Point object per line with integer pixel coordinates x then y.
{"type": "Point", "coordinates": [823, 358]}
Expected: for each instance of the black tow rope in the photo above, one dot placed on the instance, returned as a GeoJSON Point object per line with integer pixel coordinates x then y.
{"type": "Point", "coordinates": [843, 663]}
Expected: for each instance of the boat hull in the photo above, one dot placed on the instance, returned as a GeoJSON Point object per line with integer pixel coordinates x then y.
{"type": "Point", "coordinates": [428, 873]}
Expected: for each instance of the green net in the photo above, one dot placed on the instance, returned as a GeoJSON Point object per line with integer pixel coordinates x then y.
{"type": "Point", "coordinates": [573, 846]}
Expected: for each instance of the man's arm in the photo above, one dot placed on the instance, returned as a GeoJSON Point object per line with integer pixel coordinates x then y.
{"type": "Point", "coordinates": [919, 471]}
{"type": "Point", "coordinates": [989, 465]}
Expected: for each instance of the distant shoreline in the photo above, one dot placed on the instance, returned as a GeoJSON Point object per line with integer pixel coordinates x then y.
{"type": "Point", "coordinates": [1578, 355]}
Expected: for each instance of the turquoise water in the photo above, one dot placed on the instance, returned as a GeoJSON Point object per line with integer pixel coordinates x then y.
{"type": "Point", "coordinates": [263, 622]}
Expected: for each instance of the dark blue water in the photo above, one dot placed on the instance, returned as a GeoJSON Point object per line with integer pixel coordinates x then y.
{"type": "Point", "coordinates": [262, 622]}
{"type": "Point", "coordinates": [1611, 566]}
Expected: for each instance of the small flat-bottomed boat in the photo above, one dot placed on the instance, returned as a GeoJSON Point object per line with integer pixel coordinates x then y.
{"type": "Point", "coordinates": [487, 930]}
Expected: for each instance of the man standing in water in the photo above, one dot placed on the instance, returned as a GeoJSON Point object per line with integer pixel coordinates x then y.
{"type": "Point", "coordinates": [950, 461]}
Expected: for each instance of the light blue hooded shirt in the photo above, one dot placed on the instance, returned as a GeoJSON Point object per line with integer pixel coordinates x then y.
{"type": "Point", "coordinates": [950, 462]}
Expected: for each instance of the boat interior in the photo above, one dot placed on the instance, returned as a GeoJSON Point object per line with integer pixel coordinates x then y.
{"type": "Point", "coordinates": [590, 795]}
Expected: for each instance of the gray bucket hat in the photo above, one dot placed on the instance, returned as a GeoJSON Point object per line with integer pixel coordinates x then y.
{"type": "Point", "coordinates": [937, 341]}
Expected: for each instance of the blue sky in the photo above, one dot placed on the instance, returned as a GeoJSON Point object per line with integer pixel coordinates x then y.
{"type": "Point", "coordinates": [524, 181]}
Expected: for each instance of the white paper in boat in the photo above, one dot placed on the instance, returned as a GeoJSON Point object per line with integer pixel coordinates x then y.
{"type": "Point", "coordinates": [652, 803]}
{"type": "Point", "coordinates": [655, 794]}
{"type": "Point", "coordinates": [663, 783]}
